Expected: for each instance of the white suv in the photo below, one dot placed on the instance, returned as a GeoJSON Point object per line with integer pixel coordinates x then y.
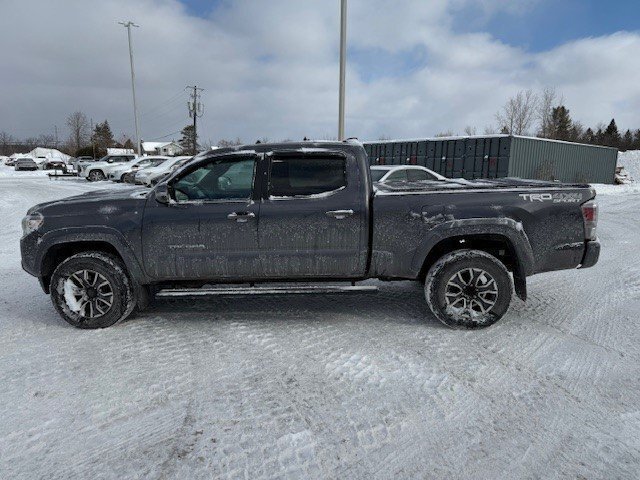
{"type": "Point", "coordinates": [402, 173]}
{"type": "Point", "coordinates": [99, 170]}
{"type": "Point", "coordinates": [117, 173]}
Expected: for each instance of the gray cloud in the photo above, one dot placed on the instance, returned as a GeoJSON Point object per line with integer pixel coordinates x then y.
{"type": "Point", "coordinates": [270, 68]}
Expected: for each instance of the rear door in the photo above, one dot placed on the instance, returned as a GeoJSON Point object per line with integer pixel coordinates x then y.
{"type": "Point", "coordinates": [210, 230]}
{"type": "Point", "coordinates": [313, 217]}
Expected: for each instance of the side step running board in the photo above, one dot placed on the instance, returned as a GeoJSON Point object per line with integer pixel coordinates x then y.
{"type": "Point", "coordinates": [287, 290]}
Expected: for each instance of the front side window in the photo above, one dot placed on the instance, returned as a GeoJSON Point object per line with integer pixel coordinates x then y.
{"type": "Point", "coordinates": [376, 175]}
{"type": "Point", "coordinates": [219, 179]}
{"type": "Point", "coordinates": [293, 177]}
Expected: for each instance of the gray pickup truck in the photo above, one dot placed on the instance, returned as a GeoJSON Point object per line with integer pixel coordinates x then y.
{"type": "Point", "coordinates": [246, 220]}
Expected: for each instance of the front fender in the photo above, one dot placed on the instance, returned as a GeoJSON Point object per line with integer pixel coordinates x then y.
{"type": "Point", "coordinates": [89, 234]}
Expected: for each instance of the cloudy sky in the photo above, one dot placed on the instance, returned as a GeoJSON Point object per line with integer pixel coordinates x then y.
{"type": "Point", "coordinates": [270, 68]}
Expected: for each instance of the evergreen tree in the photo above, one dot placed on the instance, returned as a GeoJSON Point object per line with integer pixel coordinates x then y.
{"type": "Point", "coordinates": [612, 136]}
{"type": "Point", "coordinates": [636, 140]}
{"type": "Point", "coordinates": [561, 123]}
{"type": "Point", "coordinates": [186, 141]}
{"type": "Point", "coordinates": [588, 136]}
{"type": "Point", "coordinates": [102, 136]}
{"type": "Point", "coordinates": [627, 141]}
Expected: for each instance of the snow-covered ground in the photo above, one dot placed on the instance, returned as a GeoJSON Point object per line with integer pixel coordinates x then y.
{"type": "Point", "coordinates": [325, 387]}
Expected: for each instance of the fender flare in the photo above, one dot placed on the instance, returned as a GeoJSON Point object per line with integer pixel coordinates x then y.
{"type": "Point", "coordinates": [92, 234]}
{"type": "Point", "coordinates": [505, 227]}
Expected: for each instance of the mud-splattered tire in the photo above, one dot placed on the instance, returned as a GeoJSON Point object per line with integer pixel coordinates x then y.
{"type": "Point", "coordinates": [468, 289]}
{"type": "Point", "coordinates": [92, 290]}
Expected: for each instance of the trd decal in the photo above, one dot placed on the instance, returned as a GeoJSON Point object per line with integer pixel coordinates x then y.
{"type": "Point", "coordinates": [554, 198]}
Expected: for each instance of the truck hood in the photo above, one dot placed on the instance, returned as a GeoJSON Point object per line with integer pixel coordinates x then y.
{"type": "Point", "coordinates": [99, 201]}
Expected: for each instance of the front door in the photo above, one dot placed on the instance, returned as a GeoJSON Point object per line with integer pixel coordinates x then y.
{"type": "Point", "coordinates": [313, 217]}
{"type": "Point", "coordinates": [210, 229]}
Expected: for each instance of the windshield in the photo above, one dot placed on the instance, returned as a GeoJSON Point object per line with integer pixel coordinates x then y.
{"type": "Point", "coordinates": [376, 175]}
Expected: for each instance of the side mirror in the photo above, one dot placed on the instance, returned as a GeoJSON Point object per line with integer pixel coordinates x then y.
{"type": "Point", "coordinates": [162, 194]}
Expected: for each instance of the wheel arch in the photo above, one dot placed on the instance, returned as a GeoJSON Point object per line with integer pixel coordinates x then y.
{"type": "Point", "coordinates": [59, 247]}
{"type": "Point", "coordinates": [505, 241]}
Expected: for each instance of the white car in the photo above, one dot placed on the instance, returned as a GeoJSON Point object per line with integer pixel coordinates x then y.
{"type": "Point", "coordinates": [403, 173]}
{"type": "Point", "coordinates": [116, 173]}
{"type": "Point", "coordinates": [149, 176]}
{"type": "Point", "coordinates": [96, 171]}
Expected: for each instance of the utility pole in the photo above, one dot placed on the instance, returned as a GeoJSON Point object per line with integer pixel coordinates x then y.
{"type": "Point", "coordinates": [56, 137]}
{"type": "Point", "coordinates": [343, 67]}
{"type": "Point", "coordinates": [128, 24]}
{"type": "Point", "coordinates": [196, 109]}
{"type": "Point", "coordinates": [93, 145]}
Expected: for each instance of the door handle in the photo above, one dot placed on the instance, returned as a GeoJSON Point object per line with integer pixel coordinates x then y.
{"type": "Point", "coordinates": [241, 217]}
{"type": "Point", "coordinates": [339, 214]}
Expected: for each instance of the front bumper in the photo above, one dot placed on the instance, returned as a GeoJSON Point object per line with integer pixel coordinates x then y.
{"type": "Point", "coordinates": [591, 254]}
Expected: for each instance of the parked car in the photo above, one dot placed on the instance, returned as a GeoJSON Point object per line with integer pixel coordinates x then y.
{"type": "Point", "coordinates": [305, 212]}
{"type": "Point", "coordinates": [97, 171]}
{"type": "Point", "coordinates": [176, 166]}
{"type": "Point", "coordinates": [53, 164]}
{"type": "Point", "coordinates": [149, 175]}
{"type": "Point", "coordinates": [117, 173]}
{"type": "Point", "coordinates": [10, 162]}
{"type": "Point", "coordinates": [4, 159]}
{"type": "Point", "coordinates": [402, 173]}
{"type": "Point", "coordinates": [25, 163]}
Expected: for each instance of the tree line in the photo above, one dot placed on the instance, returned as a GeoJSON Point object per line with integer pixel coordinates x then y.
{"type": "Point", "coordinates": [546, 116]}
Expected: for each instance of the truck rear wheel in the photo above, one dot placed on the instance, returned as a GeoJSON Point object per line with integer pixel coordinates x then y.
{"type": "Point", "coordinates": [92, 290]}
{"type": "Point", "coordinates": [468, 289]}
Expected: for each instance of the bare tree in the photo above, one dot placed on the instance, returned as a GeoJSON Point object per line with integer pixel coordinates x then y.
{"type": "Point", "coordinates": [490, 130]}
{"type": "Point", "coordinates": [222, 143]}
{"type": "Point", "coordinates": [470, 131]}
{"type": "Point", "coordinates": [518, 113]}
{"type": "Point", "coordinates": [447, 133]}
{"type": "Point", "coordinates": [79, 126]}
{"type": "Point", "coordinates": [6, 142]}
{"type": "Point", "coordinates": [548, 100]}
{"type": "Point", "coordinates": [46, 140]}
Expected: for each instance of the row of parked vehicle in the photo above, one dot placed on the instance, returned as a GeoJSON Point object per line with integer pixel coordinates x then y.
{"type": "Point", "coordinates": [129, 168]}
{"type": "Point", "coordinates": [32, 163]}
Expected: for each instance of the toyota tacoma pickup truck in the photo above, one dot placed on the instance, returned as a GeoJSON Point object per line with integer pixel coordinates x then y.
{"type": "Point", "coordinates": [249, 219]}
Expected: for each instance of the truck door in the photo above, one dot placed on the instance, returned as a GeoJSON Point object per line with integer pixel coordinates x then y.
{"type": "Point", "coordinates": [313, 216]}
{"type": "Point", "coordinates": [210, 229]}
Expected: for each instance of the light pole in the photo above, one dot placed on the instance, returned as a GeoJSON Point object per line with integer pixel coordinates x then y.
{"type": "Point", "coordinates": [128, 24]}
{"type": "Point", "coordinates": [343, 66]}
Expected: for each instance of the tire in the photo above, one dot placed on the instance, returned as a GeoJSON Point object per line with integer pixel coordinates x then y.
{"type": "Point", "coordinates": [468, 289]}
{"type": "Point", "coordinates": [96, 176]}
{"type": "Point", "coordinates": [84, 300]}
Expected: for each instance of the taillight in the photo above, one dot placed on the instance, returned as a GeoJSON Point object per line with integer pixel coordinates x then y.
{"type": "Point", "coordinates": [590, 217]}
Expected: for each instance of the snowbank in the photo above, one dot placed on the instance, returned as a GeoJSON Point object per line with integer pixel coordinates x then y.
{"type": "Point", "coordinates": [631, 162]}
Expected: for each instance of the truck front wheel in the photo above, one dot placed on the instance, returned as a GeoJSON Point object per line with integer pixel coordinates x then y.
{"type": "Point", "coordinates": [468, 289]}
{"type": "Point", "coordinates": [92, 290]}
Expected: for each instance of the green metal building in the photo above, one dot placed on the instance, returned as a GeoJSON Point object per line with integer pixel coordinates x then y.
{"type": "Point", "coordinates": [497, 156]}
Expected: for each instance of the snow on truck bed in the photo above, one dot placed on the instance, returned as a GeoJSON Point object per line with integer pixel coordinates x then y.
{"type": "Point", "coordinates": [325, 387]}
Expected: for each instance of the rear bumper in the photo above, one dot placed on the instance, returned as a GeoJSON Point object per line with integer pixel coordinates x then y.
{"type": "Point", "coordinates": [591, 254]}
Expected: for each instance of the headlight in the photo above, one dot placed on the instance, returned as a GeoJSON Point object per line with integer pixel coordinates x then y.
{"type": "Point", "coordinates": [31, 223]}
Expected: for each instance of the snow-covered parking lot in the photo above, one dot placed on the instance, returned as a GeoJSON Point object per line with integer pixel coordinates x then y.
{"type": "Point", "coordinates": [325, 387]}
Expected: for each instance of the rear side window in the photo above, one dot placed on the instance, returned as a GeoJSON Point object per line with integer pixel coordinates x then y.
{"type": "Point", "coordinates": [294, 177]}
{"type": "Point", "coordinates": [416, 175]}
{"type": "Point", "coordinates": [398, 176]}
